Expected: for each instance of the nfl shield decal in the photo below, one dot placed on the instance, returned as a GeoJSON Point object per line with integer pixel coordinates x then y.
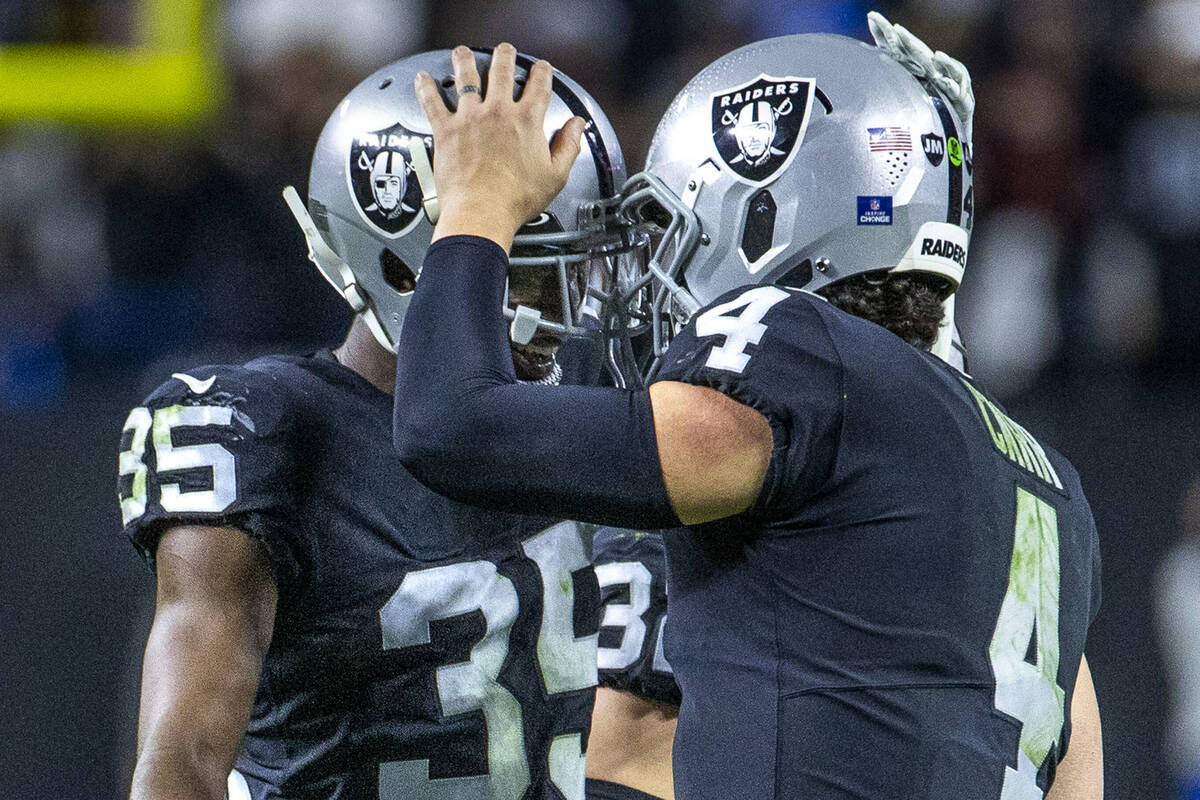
{"type": "Point", "coordinates": [758, 126]}
{"type": "Point", "coordinates": [382, 180]}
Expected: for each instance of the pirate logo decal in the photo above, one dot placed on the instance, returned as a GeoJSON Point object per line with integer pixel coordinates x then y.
{"type": "Point", "coordinates": [382, 181]}
{"type": "Point", "coordinates": [758, 126]}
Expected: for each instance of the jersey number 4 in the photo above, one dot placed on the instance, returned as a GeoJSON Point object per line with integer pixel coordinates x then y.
{"type": "Point", "coordinates": [567, 664]}
{"type": "Point", "coordinates": [1028, 622]}
{"type": "Point", "coordinates": [740, 330]}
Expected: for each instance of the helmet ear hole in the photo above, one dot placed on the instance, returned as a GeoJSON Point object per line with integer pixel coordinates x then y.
{"type": "Point", "coordinates": [397, 274]}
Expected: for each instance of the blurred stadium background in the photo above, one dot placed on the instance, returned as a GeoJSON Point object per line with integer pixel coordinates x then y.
{"type": "Point", "coordinates": [143, 145]}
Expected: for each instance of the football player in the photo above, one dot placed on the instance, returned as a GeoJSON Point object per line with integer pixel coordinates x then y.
{"type": "Point", "coordinates": [885, 583]}
{"type": "Point", "coordinates": [637, 703]}
{"type": "Point", "coordinates": [325, 626]}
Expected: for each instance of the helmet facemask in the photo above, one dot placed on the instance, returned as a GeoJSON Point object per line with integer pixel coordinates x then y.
{"type": "Point", "coordinates": [560, 283]}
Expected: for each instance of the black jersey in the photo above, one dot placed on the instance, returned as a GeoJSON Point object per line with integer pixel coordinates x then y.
{"type": "Point", "coordinates": [422, 648]}
{"type": "Point", "coordinates": [631, 567]}
{"type": "Point", "coordinates": [903, 610]}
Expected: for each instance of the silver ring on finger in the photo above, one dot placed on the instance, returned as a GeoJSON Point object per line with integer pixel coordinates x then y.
{"type": "Point", "coordinates": [468, 89]}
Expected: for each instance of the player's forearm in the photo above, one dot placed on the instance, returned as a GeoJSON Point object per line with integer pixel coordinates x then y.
{"type": "Point", "coordinates": [198, 685]}
{"type": "Point", "coordinates": [468, 430]}
{"type": "Point", "coordinates": [183, 752]}
{"type": "Point", "coordinates": [177, 772]}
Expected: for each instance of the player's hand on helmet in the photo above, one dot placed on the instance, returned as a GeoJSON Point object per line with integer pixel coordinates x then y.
{"type": "Point", "coordinates": [947, 73]}
{"type": "Point", "coordinates": [493, 167]}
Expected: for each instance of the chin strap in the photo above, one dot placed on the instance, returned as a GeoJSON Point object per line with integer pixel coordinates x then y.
{"type": "Point", "coordinates": [524, 324]}
{"type": "Point", "coordinates": [942, 346]}
{"type": "Point", "coordinates": [424, 169]}
{"type": "Point", "coordinates": [949, 346]}
{"type": "Point", "coordinates": [333, 267]}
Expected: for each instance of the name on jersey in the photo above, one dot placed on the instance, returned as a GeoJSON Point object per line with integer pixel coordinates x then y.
{"type": "Point", "coordinates": [1016, 443]}
{"type": "Point", "coordinates": [945, 249]}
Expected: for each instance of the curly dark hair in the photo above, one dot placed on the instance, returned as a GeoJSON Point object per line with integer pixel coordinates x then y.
{"type": "Point", "coordinates": [909, 304]}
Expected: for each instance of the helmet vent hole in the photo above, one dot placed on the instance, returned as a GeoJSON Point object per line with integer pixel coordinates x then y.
{"type": "Point", "coordinates": [396, 272]}
{"type": "Point", "coordinates": [447, 81]}
{"type": "Point", "coordinates": [386, 83]}
{"type": "Point", "coordinates": [823, 100]}
{"type": "Point", "coordinates": [759, 232]}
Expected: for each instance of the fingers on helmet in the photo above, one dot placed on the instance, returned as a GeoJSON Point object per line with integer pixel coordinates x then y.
{"type": "Point", "coordinates": [538, 88]}
{"type": "Point", "coordinates": [955, 70]}
{"type": "Point", "coordinates": [429, 98]}
{"type": "Point", "coordinates": [465, 73]}
{"type": "Point", "coordinates": [948, 86]}
{"type": "Point", "coordinates": [916, 51]}
{"type": "Point", "coordinates": [565, 147]}
{"type": "Point", "coordinates": [502, 71]}
{"type": "Point", "coordinates": [881, 31]}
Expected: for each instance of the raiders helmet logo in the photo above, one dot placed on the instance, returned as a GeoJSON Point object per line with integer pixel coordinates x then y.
{"type": "Point", "coordinates": [382, 180]}
{"type": "Point", "coordinates": [758, 126]}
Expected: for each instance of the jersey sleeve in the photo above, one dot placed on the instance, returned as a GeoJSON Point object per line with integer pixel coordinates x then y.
{"type": "Point", "coordinates": [217, 447]}
{"type": "Point", "coordinates": [632, 572]}
{"type": "Point", "coordinates": [770, 349]}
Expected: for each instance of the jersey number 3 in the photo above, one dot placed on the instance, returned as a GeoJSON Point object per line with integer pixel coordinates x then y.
{"type": "Point", "coordinates": [566, 663]}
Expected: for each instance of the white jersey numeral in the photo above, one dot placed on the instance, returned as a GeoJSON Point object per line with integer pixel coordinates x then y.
{"type": "Point", "coordinates": [626, 616]}
{"type": "Point", "coordinates": [212, 455]}
{"type": "Point", "coordinates": [171, 457]}
{"type": "Point", "coordinates": [1027, 692]}
{"type": "Point", "coordinates": [660, 663]}
{"type": "Point", "coordinates": [236, 787]}
{"type": "Point", "coordinates": [629, 617]}
{"type": "Point", "coordinates": [438, 593]}
{"type": "Point", "coordinates": [133, 462]}
{"type": "Point", "coordinates": [567, 663]}
{"type": "Point", "coordinates": [739, 330]}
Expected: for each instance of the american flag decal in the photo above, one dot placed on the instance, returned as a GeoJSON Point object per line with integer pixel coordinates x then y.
{"type": "Point", "coordinates": [885, 140]}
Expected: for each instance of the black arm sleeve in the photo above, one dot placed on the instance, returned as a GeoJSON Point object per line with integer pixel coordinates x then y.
{"type": "Point", "coordinates": [465, 428]}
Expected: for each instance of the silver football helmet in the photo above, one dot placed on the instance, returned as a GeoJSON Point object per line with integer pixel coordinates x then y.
{"type": "Point", "coordinates": [372, 205]}
{"type": "Point", "coordinates": [801, 160]}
